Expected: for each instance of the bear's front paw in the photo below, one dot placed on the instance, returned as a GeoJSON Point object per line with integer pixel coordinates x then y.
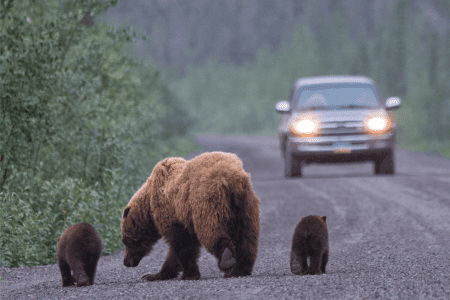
{"type": "Point", "coordinates": [191, 276]}
{"type": "Point", "coordinates": [68, 282]}
{"type": "Point", "coordinates": [159, 276]}
{"type": "Point", "coordinates": [152, 277]}
{"type": "Point", "coordinates": [313, 272]}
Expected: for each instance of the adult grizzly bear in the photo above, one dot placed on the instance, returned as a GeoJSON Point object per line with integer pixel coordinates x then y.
{"type": "Point", "coordinates": [79, 249]}
{"type": "Point", "coordinates": [205, 201]}
{"type": "Point", "coordinates": [310, 239]}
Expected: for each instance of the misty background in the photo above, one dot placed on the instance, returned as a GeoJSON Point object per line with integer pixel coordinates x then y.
{"type": "Point", "coordinates": [229, 61]}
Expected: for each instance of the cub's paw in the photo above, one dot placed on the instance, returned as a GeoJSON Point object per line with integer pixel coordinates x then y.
{"type": "Point", "coordinates": [313, 272]}
{"type": "Point", "coordinates": [227, 261]}
{"type": "Point", "coordinates": [296, 268]}
{"type": "Point", "coordinates": [237, 273]}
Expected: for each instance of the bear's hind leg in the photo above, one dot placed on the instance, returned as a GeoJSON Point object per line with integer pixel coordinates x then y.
{"type": "Point", "coordinates": [216, 241]}
{"type": "Point", "coordinates": [314, 265]}
{"type": "Point", "coordinates": [296, 268]}
{"type": "Point", "coordinates": [304, 264]}
{"type": "Point", "coordinates": [225, 252]}
{"type": "Point", "coordinates": [90, 267]}
{"type": "Point", "coordinates": [67, 279]}
{"type": "Point", "coordinates": [245, 260]}
{"type": "Point", "coordinates": [79, 274]}
{"type": "Point", "coordinates": [244, 232]}
{"type": "Point", "coordinates": [324, 261]}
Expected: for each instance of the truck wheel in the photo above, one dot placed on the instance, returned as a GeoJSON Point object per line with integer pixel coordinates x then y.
{"type": "Point", "coordinates": [385, 164]}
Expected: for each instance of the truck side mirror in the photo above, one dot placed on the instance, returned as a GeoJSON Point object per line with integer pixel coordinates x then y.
{"type": "Point", "coordinates": [283, 107]}
{"type": "Point", "coordinates": [393, 103]}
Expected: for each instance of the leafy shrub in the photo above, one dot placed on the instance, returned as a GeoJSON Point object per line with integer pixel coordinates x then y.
{"type": "Point", "coordinates": [81, 126]}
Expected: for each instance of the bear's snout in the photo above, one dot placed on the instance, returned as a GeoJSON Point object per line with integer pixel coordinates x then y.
{"type": "Point", "coordinates": [129, 261]}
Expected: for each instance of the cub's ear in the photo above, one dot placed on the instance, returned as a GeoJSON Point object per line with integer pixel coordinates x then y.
{"type": "Point", "coordinates": [324, 218]}
{"type": "Point", "coordinates": [126, 211]}
{"type": "Point", "coordinates": [59, 239]}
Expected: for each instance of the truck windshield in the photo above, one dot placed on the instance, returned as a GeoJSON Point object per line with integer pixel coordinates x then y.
{"type": "Point", "coordinates": [335, 97]}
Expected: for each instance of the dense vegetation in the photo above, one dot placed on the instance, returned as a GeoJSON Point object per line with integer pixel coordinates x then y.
{"type": "Point", "coordinates": [81, 125]}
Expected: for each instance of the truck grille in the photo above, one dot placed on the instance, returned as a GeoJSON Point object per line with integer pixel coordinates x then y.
{"type": "Point", "coordinates": [341, 128]}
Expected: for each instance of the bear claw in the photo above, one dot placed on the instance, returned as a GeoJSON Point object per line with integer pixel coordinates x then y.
{"type": "Point", "coordinates": [227, 260]}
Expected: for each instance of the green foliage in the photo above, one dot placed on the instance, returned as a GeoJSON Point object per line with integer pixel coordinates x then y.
{"type": "Point", "coordinates": [35, 216]}
{"type": "Point", "coordinates": [81, 126]}
{"type": "Point", "coordinates": [19, 224]}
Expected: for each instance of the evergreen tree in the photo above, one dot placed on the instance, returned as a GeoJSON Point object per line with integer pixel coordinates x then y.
{"type": "Point", "coordinates": [396, 49]}
{"type": "Point", "coordinates": [433, 60]}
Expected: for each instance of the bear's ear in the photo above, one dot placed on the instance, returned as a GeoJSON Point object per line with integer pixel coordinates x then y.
{"type": "Point", "coordinates": [126, 211]}
{"type": "Point", "coordinates": [324, 218]}
{"type": "Point", "coordinates": [59, 239]}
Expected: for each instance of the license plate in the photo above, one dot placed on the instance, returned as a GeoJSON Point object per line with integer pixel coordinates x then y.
{"type": "Point", "coordinates": [341, 148]}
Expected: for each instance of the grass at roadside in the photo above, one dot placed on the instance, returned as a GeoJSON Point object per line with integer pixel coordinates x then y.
{"type": "Point", "coordinates": [37, 214]}
{"type": "Point", "coordinates": [443, 148]}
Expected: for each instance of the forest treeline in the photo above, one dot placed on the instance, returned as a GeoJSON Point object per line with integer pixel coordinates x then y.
{"type": "Point", "coordinates": [229, 61]}
{"type": "Point", "coordinates": [82, 124]}
{"type": "Point", "coordinates": [181, 33]}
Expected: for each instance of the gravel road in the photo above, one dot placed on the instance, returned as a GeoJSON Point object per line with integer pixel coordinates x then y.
{"type": "Point", "coordinates": [389, 236]}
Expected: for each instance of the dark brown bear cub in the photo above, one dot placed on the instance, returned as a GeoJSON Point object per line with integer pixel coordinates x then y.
{"type": "Point", "coordinates": [310, 239]}
{"type": "Point", "coordinates": [79, 249]}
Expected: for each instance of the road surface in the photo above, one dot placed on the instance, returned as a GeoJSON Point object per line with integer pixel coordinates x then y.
{"type": "Point", "coordinates": [389, 236]}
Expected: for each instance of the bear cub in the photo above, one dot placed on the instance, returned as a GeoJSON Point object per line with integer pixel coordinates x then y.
{"type": "Point", "coordinates": [310, 240]}
{"type": "Point", "coordinates": [79, 249]}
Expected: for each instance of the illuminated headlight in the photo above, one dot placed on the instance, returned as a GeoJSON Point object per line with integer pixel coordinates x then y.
{"type": "Point", "coordinates": [378, 124]}
{"type": "Point", "coordinates": [304, 127]}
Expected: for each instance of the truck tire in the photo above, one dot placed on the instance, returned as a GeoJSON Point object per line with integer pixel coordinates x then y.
{"type": "Point", "coordinates": [292, 164]}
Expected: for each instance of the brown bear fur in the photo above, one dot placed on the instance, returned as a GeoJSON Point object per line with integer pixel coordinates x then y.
{"type": "Point", "coordinates": [205, 201]}
{"type": "Point", "coordinates": [79, 249]}
{"type": "Point", "coordinates": [310, 239]}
